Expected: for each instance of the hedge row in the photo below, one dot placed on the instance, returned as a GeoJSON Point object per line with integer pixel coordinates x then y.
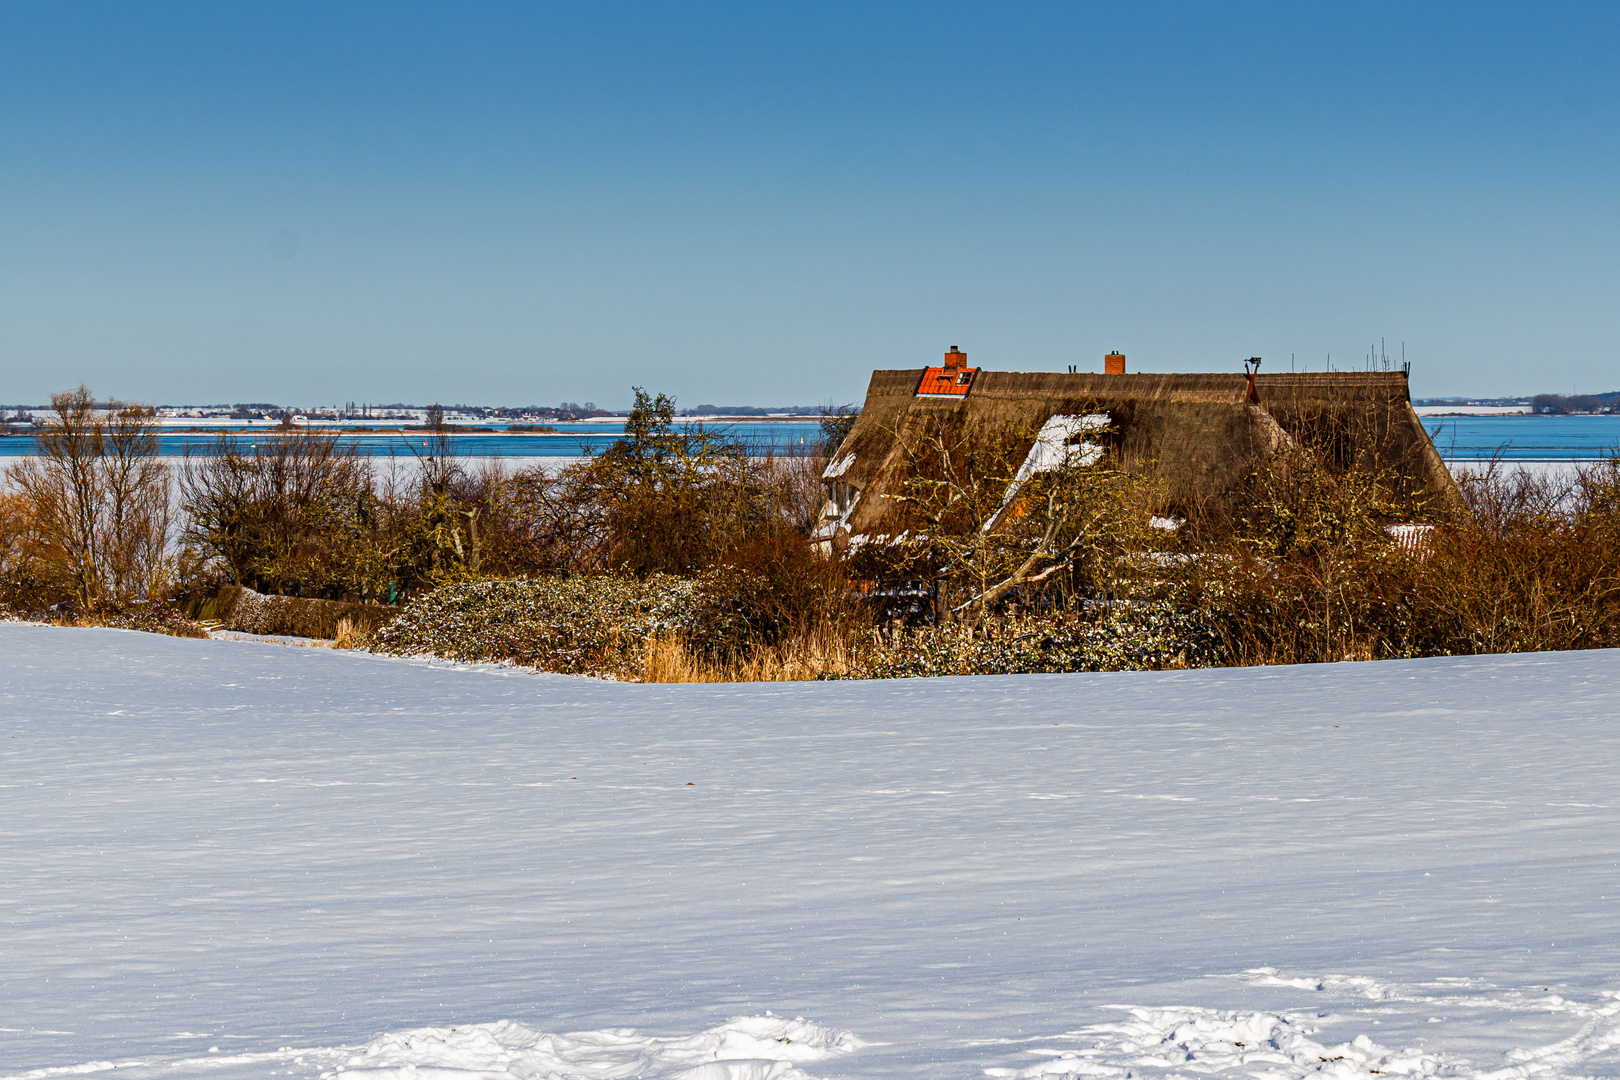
{"type": "Point", "coordinates": [250, 612]}
{"type": "Point", "coordinates": [586, 625]}
{"type": "Point", "coordinates": [601, 626]}
{"type": "Point", "coordinates": [1144, 636]}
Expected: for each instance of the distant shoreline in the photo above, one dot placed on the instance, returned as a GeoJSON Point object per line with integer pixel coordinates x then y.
{"type": "Point", "coordinates": [249, 428]}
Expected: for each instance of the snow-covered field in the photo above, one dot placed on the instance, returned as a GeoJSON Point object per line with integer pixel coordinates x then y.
{"type": "Point", "coordinates": [229, 859]}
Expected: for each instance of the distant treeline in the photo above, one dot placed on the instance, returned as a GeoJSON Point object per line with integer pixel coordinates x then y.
{"type": "Point", "coordinates": [755, 410]}
{"type": "Point", "coordinates": [1559, 405]}
{"type": "Point", "coordinates": [1500, 402]}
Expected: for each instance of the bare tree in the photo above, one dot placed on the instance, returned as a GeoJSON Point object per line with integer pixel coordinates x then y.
{"type": "Point", "coordinates": [100, 499]}
{"type": "Point", "coordinates": [991, 510]}
{"type": "Point", "coordinates": [138, 500]}
{"type": "Point", "coordinates": [791, 479]}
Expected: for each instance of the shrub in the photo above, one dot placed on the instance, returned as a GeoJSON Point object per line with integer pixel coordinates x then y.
{"type": "Point", "coordinates": [666, 498]}
{"type": "Point", "coordinates": [154, 617]}
{"type": "Point", "coordinates": [701, 629]}
{"type": "Point", "coordinates": [783, 588]}
{"type": "Point", "coordinates": [1142, 636]}
{"type": "Point", "coordinates": [1355, 604]}
{"type": "Point", "coordinates": [585, 625]}
{"type": "Point", "coordinates": [598, 624]}
{"type": "Point", "coordinates": [295, 512]}
{"type": "Point", "coordinates": [1532, 563]}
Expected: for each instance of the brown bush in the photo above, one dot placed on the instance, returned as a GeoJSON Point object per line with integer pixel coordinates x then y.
{"type": "Point", "coordinates": [666, 498]}
{"type": "Point", "coordinates": [149, 617]}
{"type": "Point", "coordinates": [789, 590]}
{"type": "Point", "coordinates": [295, 512]}
{"type": "Point", "coordinates": [28, 580]}
{"type": "Point", "coordinates": [1532, 563]}
{"type": "Point", "coordinates": [1534, 566]}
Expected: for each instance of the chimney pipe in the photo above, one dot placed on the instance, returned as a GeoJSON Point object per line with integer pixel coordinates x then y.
{"type": "Point", "coordinates": [1114, 364]}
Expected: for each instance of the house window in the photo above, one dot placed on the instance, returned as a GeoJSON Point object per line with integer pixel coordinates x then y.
{"type": "Point", "coordinates": [843, 497]}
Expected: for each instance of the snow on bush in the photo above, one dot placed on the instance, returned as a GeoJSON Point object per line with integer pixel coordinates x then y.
{"type": "Point", "coordinates": [153, 617]}
{"type": "Point", "coordinates": [585, 625]}
{"type": "Point", "coordinates": [600, 625]}
{"type": "Point", "coordinates": [1138, 637]}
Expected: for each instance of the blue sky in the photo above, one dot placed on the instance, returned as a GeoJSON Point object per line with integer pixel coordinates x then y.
{"type": "Point", "coordinates": [761, 203]}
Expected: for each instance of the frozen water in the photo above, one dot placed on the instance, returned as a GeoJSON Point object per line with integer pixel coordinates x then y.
{"type": "Point", "coordinates": [310, 861]}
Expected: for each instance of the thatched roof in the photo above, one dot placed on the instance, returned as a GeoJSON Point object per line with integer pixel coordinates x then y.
{"type": "Point", "coordinates": [1198, 434]}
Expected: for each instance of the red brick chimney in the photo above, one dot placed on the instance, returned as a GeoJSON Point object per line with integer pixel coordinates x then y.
{"type": "Point", "coordinates": [1114, 364]}
{"type": "Point", "coordinates": [955, 360]}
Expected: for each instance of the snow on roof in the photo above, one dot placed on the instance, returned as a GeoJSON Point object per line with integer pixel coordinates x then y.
{"type": "Point", "coordinates": [839, 467]}
{"type": "Point", "coordinates": [1061, 443]}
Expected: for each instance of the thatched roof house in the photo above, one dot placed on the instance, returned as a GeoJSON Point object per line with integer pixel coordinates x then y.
{"type": "Point", "coordinates": [1200, 435]}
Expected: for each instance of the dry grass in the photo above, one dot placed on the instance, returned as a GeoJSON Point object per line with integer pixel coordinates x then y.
{"type": "Point", "coordinates": [822, 653]}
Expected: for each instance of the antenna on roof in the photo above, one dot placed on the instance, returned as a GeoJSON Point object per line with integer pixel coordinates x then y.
{"type": "Point", "coordinates": [1251, 368]}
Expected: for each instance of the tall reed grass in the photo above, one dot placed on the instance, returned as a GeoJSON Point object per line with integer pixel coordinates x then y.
{"type": "Point", "coordinates": [828, 651]}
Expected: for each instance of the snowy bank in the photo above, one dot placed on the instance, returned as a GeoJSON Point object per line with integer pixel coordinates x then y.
{"type": "Point", "coordinates": [308, 861]}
